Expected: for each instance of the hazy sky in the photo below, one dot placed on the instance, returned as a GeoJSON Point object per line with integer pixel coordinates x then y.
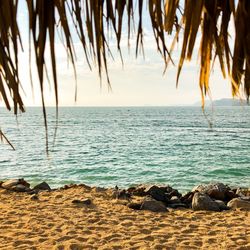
{"type": "Point", "coordinates": [139, 82]}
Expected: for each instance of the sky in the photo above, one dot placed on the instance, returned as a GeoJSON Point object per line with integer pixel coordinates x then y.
{"type": "Point", "coordinates": [139, 82]}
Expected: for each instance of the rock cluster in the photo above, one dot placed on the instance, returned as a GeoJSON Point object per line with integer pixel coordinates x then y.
{"type": "Point", "coordinates": [211, 197]}
{"type": "Point", "coordinates": [20, 185]}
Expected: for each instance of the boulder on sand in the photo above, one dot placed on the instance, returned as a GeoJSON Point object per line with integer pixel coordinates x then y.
{"type": "Point", "coordinates": [161, 193]}
{"type": "Point", "coordinates": [157, 193]}
{"type": "Point", "coordinates": [153, 205]}
{"type": "Point", "coordinates": [42, 186]}
{"type": "Point", "coordinates": [243, 192]}
{"type": "Point", "coordinates": [214, 190]}
{"type": "Point", "coordinates": [242, 203]}
{"type": "Point", "coordinates": [134, 205]}
{"type": "Point", "coordinates": [175, 202]}
{"type": "Point", "coordinates": [222, 205]}
{"type": "Point", "coordinates": [121, 194]}
{"type": "Point", "coordinates": [202, 201]}
{"type": "Point", "coordinates": [19, 185]}
{"type": "Point", "coordinates": [187, 198]}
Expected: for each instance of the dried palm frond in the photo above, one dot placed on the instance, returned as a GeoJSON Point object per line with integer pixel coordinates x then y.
{"type": "Point", "coordinates": [241, 56]}
{"type": "Point", "coordinates": [93, 18]}
{"type": "Point", "coordinates": [4, 138]}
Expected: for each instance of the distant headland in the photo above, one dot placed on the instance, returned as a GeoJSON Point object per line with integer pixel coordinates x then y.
{"type": "Point", "coordinates": [228, 102]}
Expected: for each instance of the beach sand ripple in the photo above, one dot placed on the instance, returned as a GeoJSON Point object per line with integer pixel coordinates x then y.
{"type": "Point", "coordinates": [54, 222]}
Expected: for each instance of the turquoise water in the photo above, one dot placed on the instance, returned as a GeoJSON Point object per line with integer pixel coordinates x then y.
{"type": "Point", "coordinates": [125, 146]}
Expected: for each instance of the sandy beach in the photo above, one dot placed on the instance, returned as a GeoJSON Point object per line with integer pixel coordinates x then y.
{"type": "Point", "coordinates": [53, 222]}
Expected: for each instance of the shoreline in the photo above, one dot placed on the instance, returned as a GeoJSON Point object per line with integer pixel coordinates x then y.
{"type": "Point", "coordinates": [83, 217]}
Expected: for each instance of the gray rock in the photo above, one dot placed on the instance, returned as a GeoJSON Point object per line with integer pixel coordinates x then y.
{"type": "Point", "coordinates": [14, 182]}
{"type": "Point", "coordinates": [175, 199]}
{"type": "Point", "coordinates": [20, 188]}
{"type": "Point", "coordinates": [135, 206]}
{"type": "Point", "coordinates": [144, 190]}
{"type": "Point", "coordinates": [84, 186]}
{"type": "Point", "coordinates": [199, 188]}
{"type": "Point", "coordinates": [99, 189]}
{"type": "Point", "coordinates": [42, 186]}
{"type": "Point", "coordinates": [202, 201]}
{"type": "Point", "coordinates": [243, 191]}
{"type": "Point", "coordinates": [153, 205]}
{"type": "Point", "coordinates": [230, 194]}
{"type": "Point", "coordinates": [187, 198]}
{"type": "Point", "coordinates": [242, 203]}
{"type": "Point", "coordinates": [175, 192]}
{"type": "Point", "coordinates": [222, 205]}
{"type": "Point", "coordinates": [156, 193]}
{"type": "Point", "coordinates": [138, 190]}
{"type": "Point", "coordinates": [121, 194]}
{"type": "Point", "coordinates": [214, 190]}
{"type": "Point", "coordinates": [175, 202]}
{"type": "Point", "coordinates": [82, 202]}
{"type": "Point", "coordinates": [178, 205]}
{"type": "Point", "coordinates": [32, 191]}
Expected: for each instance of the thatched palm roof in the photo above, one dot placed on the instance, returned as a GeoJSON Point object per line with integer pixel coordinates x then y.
{"type": "Point", "coordinates": [91, 18]}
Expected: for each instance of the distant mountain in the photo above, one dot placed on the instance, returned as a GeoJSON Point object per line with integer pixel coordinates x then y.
{"type": "Point", "coordinates": [224, 102]}
{"type": "Point", "coordinates": [229, 102]}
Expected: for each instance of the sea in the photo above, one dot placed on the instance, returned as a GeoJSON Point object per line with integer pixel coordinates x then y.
{"type": "Point", "coordinates": [126, 146]}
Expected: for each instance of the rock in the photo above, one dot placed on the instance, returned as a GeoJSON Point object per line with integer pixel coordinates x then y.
{"type": "Point", "coordinates": [167, 189]}
{"type": "Point", "coordinates": [222, 205]}
{"type": "Point", "coordinates": [157, 193]}
{"type": "Point", "coordinates": [32, 191]}
{"type": "Point", "coordinates": [99, 189]}
{"type": "Point", "coordinates": [20, 188]}
{"type": "Point", "coordinates": [10, 184]}
{"type": "Point", "coordinates": [174, 199]}
{"type": "Point", "coordinates": [138, 191]}
{"type": "Point", "coordinates": [214, 190]}
{"type": "Point", "coordinates": [217, 191]}
{"type": "Point", "coordinates": [153, 205]}
{"type": "Point", "coordinates": [131, 189]}
{"type": "Point", "coordinates": [23, 182]}
{"type": "Point", "coordinates": [199, 188]}
{"type": "Point", "coordinates": [230, 195]}
{"type": "Point", "coordinates": [121, 194]}
{"type": "Point", "coordinates": [187, 198]}
{"type": "Point", "coordinates": [202, 201]}
{"type": "Point", "coordinates": [175, 192]}
{"type": "Point", "coordinates": [242, 203]}
{"type": "Point", "coordinates": [178, 205]}
{"type": "Point", "coordinates": [175, 202]}
{"type": "Point", "coordinates": [42, 186]}
{"type": "Point", "coordinates": [82, 202]}
{"type": "Point", "coordinates": [34, 197]}
{"type": "Point", "coordinates": [162, 192]}
{"type": "Point", "coordinates": [243, 192]}
{"type": "Point", "coordinates": [84, 186]}
{"type": "Point", "coordinates": [135, 206]}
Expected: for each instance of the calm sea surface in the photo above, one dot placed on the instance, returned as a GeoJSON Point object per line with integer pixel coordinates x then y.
{"type": "Point", "coordinates": [125, 146]}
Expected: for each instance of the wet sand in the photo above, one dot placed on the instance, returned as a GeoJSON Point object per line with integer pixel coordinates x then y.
{"type": "Point", "coordinates": [54, 222]}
